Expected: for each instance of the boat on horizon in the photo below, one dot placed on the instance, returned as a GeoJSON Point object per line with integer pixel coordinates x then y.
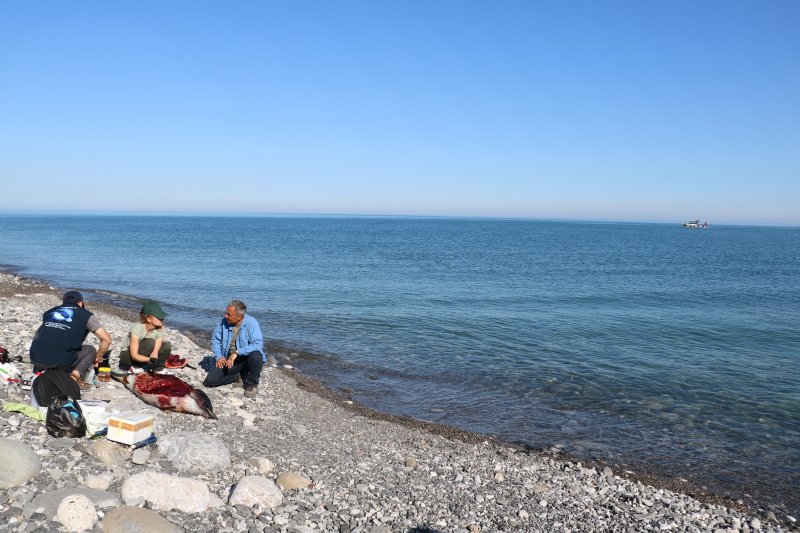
{"type": "Point", "coordinates": [695, 224]}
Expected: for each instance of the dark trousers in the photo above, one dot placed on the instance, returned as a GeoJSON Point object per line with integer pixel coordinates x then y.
{"type": "Point", "coordinates": [146, 347]}
{"type": "Point", "coordinates": [247, 365]}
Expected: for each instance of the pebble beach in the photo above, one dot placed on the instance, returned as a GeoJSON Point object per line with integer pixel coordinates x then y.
{"type": "Point", "coordinates": [299, 459]}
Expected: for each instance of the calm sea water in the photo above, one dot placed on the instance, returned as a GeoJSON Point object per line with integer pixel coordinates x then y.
{"type": "Point", "coordinates": [653, 346]}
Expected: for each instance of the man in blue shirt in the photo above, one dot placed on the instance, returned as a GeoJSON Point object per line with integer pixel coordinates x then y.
{"type": "Point", "coordinates": [238, 347]}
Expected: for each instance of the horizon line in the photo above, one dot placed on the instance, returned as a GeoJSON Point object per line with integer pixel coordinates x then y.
{"type": "Point", "coordinates": [278, 214]}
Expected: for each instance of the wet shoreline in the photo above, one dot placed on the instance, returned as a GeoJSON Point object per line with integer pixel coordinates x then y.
{"type": "Point", "coordinates": [283, 354]}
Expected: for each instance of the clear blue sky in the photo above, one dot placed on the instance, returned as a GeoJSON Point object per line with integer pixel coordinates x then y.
{"type": "Point", "coordinates": [639, 110]}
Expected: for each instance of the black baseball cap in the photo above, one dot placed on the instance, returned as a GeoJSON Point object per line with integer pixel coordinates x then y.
{"type": "Point", "coordinates": [72, 297]}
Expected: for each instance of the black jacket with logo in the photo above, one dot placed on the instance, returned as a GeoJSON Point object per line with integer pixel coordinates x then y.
{"type": "Point", "coordinates": [58, 340]}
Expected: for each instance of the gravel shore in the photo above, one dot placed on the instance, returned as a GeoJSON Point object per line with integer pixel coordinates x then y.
{"type": "Point", "coordinates": [299, 459]}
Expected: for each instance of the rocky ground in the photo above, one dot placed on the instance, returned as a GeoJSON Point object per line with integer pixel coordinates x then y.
{"type": "Point", "coordinates": [291, 460]}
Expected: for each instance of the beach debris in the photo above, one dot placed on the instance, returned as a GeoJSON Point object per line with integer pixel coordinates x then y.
{"type": "Point", "coordinates": [169, 393]}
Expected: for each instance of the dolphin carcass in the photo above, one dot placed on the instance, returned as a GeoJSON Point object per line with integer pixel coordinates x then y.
{"type": "Point", "coordinates": [169, 393]}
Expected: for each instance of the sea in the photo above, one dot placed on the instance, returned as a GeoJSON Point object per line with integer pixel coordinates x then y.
{"type": "Point", "coordinates": [651, 347]}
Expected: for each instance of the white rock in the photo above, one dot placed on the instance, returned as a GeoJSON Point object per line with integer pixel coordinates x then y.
{"type": "Point", "coordinates": [100, 481]}
{"type": "Point", "coordinates": [76, 512]}
{"type": "Point", "coordinates": [168, 492]}
{"type": "Point", "coordinates": [256, 490]}
{"type": "Point", "coordinates": [195, 452]}
{"type": "Point", "coordinates": [262, 464]}
{"type": "Point", "coordinates": [236, 402]}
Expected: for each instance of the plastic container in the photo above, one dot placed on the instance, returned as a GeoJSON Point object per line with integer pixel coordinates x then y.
{"type": "Point", "coordinates": [104, 374]}
{"type": "Point", "coordinates": [129, 428]}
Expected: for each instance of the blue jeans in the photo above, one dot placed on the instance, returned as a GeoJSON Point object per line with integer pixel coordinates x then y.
{"type": "Point", "coordinates": [247, 365]}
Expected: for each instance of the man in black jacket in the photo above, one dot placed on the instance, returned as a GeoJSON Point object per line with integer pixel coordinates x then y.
{"type": "Point", "coordinates": [58, 342]}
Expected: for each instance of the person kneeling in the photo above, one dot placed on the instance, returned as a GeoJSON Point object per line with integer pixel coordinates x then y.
{"type": "Point", "coordinates": [145, 344]}
{"type": "Point", "coordinates": [238, 347]}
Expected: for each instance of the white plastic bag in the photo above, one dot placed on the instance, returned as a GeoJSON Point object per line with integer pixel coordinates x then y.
{"type": "Point", "coordinates": [9, 373]}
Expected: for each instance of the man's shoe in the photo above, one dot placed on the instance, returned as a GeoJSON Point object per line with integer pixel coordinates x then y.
{"type": "Point", "coordinates": [82, 385]}
{"type": "Point", "coordinates": [251, 391]}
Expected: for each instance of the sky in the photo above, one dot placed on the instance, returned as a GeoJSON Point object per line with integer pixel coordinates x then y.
{"type": "Point", "coordinates": [640, 110]}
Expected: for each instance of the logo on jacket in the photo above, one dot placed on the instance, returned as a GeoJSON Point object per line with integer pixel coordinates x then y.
{"type": "Point", "coordinates": [63, 314]}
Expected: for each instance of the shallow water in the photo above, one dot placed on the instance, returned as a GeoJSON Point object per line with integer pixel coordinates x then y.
{"type": "Point", "coordinates": [647, 345]}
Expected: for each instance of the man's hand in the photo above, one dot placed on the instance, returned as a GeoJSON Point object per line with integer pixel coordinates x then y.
{"type": "Point", "coordinates": [223, 362]}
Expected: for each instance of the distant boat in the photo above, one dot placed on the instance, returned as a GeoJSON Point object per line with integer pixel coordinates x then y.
{"type": "Point", "coordinates": [695, 224]}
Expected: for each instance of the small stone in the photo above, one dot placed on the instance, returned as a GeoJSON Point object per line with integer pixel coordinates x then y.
{"type": "Point", "coordinates": [755, 523]}
{"type": "Point", "coordinates": [262, 464]}
{"type": "Point", "coordinates": [411, 462]}
{"type": "Point", "coordinates": [100, 481]}
{"type": "Point", "coordinates": [140, 456]}
{"type": "Point", "coordinates": [292, 480]}
{"type": "Point", "coordinates": [542, 503]}
{"type": "Point", "coordinates": [499, 477]}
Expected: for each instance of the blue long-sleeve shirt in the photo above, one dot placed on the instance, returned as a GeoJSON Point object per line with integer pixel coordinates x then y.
{"type": "Point", "coordinates": [249, 340]}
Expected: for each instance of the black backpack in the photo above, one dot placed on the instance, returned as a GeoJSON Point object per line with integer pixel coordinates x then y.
{"type": "Point", "coordinates": [54, 383]}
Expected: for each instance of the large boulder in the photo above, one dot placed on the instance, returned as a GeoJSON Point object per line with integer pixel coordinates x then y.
{"type": "Point", "coordinates": [19, 465]}
{"type": "Point", "coordinates": [48, 502]}
{"type": "Point", "coordinates": [190, 451]}
{"type": "Point", "coordinates": [168, 492]}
